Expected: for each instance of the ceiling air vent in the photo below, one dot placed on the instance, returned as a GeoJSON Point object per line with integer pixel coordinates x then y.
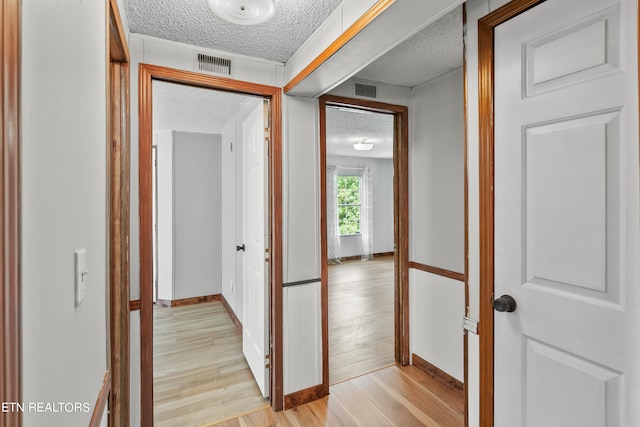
{"type": "Point", "coordinates": [366, 90]}
{"type": "Point", "coordinates": [214, 64]}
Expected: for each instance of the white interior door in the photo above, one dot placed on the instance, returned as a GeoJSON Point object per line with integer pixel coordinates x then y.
{"type": "Point", "coordinates": [255, 226]}
{"type": "Point", "coordinates": [566, 216]}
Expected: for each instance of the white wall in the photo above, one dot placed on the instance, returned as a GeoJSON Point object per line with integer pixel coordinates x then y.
{"type": "Point", "coordinates": [63, 208]}
{"type": "Point", "coordinates": [382, 173]}
{"type": "Point", "coordinates": [189, 214]}
{"type": "Point", "coordinates": [436, 163]}
{"type": "Point", "coordinates": [196, 209]}
{"type": "Point", "coordinates": [229, 152]}
{"type": "Point", "coordinates": [136, 51]}
{"type": "Point", "coordinates": [436, 311]}
{"type": "Point", "coordinates": [164, 158]}
{"type": "Point", "coordinates": [301, 245]}
{"type": "Point", "coordinates": [436, 221]}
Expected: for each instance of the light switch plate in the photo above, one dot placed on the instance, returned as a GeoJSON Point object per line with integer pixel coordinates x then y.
{"type": "Point", "coordinates": [80, 259]}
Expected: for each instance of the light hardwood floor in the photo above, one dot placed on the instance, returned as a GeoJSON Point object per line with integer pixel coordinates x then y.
{"type": "Point", "coordinates": [393, 396]}
{"type": "Point", "coordinates": [360, 317]}
{"type": "Point", "coordinates": [199, 372]}
{"type": "Point", "coordinates": [201, 376]}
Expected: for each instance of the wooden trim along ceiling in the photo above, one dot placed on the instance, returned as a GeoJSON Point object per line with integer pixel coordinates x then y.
{"type": "Point", "coordinates": [401, 224]}
{"type": "Point", "coordinates": [148, 73]}
{"type": "Point", "coordinates": [118, 164]}
{"type": "Point", "coordinates": [486, 26]}
{"type": "Point", "coordinates": [368, 17]}
{"type": "Point", "coordinates": [10, 312]}
{"type": "Point", "coordinates": [461, 277]}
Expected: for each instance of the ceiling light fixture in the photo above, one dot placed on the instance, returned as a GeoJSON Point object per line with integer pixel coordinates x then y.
{"type": "Point", "coordinates": [244, 12]}
{"type": "Point", "coordinates": [363, 146]}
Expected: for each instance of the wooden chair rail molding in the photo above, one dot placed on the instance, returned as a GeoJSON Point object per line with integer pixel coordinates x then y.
{"type": "Point", "coordinates": [101, 402]}
{"type": "Point", "coordinates": [437, 270]}
{"type": "Point", "coordinates": [301, 282]}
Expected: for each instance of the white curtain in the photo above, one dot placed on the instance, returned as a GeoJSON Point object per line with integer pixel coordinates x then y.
{"type": "Point", "coordinates": [333, 229]}
{"type": "Point", "coordinates": [366, 214]}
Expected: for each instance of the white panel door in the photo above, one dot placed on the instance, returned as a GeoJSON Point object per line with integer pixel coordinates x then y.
{"type": "Point", "coordinates": [566, 216]}
{"type": "Point", "coordinates": [255, 231]}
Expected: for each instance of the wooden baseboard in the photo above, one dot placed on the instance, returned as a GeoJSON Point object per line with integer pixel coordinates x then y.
{"type": "Point", "coordinates": [188, 301]}
{"type": "Point", "coordinates": [358, 257]}
{"type": "Point", "coordinates": [304, 396]}
{"type": "Point", "coordinates": [438, 374]}
{"type": "Point", "coordinates": [232, 314]}
{"type": "Point", "coordinates": [101, 402]}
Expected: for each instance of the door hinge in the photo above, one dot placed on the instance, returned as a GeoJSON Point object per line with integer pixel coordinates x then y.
{"type": "Point", "coordinates": [268, 359]}
{"type": "Point", "coordinates": [469, 324]}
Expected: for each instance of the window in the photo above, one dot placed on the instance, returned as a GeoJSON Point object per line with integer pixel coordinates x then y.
{"type": "Point", "coordinates": [349, 205]}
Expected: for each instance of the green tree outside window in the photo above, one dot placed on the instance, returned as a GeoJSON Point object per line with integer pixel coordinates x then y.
{"type": "Point", "coordinates": [349, 205]}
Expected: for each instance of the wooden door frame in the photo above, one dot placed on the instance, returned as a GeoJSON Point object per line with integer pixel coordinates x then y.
{"type": "Point", "coordinates": [118, 202]}
{"type": "Point", "coordinates": [148, 73]}
{"type": "Point", "coordinates": [486, 27]}
{"type": "Point", "coordinates": [10, 300]}
{"type": "Point", "coordinates": [400, 223]}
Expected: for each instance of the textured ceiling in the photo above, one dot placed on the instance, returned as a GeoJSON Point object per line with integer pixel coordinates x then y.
{"type": "Point", "coordinates": [191, 109]}
{"type": "Point", "coordinates": [344, 128]}
{"type": "Point", "coordinates": [429, 53]}
{"type": "Point", "coordinates": [192, 22]}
